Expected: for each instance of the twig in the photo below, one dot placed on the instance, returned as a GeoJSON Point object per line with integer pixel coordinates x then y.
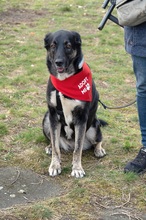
{"type": "Point", "coordinates": [120, 206]}
{"type": "Point", "coordinates": [41, 182]}
{"type": "Point", "coordinates": [128, 215]}
{"type": "Point", "coordinates": [102, 206]}
{"type": "Point", "coordinates": [29, 201]}
{"type": "Point", "coordinates": [122, 213]}
{"type": "Point", "coordinates": [18, 174]}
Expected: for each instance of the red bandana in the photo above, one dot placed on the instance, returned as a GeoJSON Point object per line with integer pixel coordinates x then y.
{"type": "Point", "coordinates": [78, 86]}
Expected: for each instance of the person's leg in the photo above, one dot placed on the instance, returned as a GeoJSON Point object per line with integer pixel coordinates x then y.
{"type": "Point", "coordinates": [139, 66]}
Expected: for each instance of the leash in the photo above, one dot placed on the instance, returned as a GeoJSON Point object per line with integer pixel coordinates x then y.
{"type": "Point", "coordinates": [118, 107]}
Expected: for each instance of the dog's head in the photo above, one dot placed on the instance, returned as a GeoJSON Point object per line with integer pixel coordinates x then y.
{"type": "Point", "coordinates": [64, 55]}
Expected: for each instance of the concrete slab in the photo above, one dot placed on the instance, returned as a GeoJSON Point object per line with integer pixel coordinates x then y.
{"type": "Point", "coordinates": [20, 186]}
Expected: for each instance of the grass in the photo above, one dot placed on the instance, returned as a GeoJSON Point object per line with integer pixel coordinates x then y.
{"type": "Point", "coordinates": [23, 103]}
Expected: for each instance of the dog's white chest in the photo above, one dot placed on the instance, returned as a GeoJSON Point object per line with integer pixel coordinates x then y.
{"type": "Point", "coordinates": [68, 106]}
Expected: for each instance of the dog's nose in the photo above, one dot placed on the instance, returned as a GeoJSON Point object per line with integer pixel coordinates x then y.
{"type": "Point", "coordinates": [59, 62]}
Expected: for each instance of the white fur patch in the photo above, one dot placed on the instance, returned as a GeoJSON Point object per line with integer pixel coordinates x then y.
{"type": "Point", "coordinates": [63, 76]}
{"type": "Point", "coordinates": [91, 135]}
{"type": "Point", "coordinates": [53, 98]}
{"type": "Point", "coordinates": [66, 145]}
{"type": "Point", "coordinates": [68, 132]}
{"type": "Point", "coordinates": [81, 63]}
{"type": "Point", "coordinates": [68, 105]}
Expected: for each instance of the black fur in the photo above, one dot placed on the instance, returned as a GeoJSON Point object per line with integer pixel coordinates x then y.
{"type": "Point", "coordinates": [64, 57]}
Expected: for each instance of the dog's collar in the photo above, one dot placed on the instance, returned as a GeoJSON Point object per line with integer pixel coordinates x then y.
{"type": "Point", "coordinates": [78, 86]}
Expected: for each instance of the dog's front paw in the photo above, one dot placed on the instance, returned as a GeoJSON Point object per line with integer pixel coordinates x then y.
{"type": "Point", "coordinates": [78, 173]}
{"type": "Point", "coordinates": [99, 152]}
{"type": "Point", "coordinates": [54, 169]}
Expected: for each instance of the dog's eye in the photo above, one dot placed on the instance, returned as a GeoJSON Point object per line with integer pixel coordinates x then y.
{"type": "Point", "coordinates": [68, 46]}
{"type": "Point", "coordinates": [53, 45]}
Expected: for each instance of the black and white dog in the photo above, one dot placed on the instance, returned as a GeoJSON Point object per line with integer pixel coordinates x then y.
{"type": "Point", "coordinates": [72, 98]}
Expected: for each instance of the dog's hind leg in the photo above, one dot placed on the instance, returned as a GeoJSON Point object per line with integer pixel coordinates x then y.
{"type": "Point", "coordinates": [94, 137]}
{"type": "Point", "coordinates": [98, 150]}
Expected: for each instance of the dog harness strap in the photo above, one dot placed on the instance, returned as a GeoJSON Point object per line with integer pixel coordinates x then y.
{"type": "Point", "coordinates": [78, 86]}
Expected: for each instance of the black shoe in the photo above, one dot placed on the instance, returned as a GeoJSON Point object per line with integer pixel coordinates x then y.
{"type": "Point", "coordinates": [138, 165]}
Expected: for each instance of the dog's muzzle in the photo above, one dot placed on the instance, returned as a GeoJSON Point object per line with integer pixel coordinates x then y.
{"type": "Point", "coordinates": [59, 65]}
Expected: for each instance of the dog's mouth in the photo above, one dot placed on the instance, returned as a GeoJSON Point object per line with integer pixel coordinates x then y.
{"type": "Point", "coordinates": [60, 69]}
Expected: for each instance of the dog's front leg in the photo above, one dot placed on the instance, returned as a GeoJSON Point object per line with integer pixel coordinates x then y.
{"type": "Point", "coordinates": [77, 170]}
{"type": "Point", "coordinates": [55, 126]}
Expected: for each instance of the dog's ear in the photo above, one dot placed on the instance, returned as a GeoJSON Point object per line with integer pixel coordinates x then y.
{"type": "Point", "coordinates": [47, 40]}
{"type": "Point", "coordinates": [77, 38]}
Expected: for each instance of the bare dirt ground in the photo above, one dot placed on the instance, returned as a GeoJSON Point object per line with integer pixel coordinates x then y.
{"type": "Point", "coordinates": [17, 16]}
